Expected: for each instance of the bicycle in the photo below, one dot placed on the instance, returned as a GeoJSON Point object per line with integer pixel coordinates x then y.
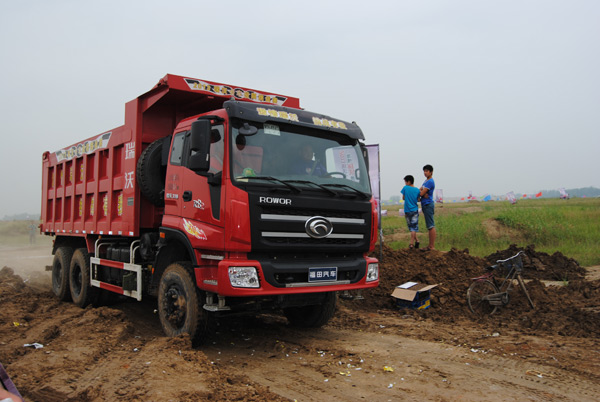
{"type": "Point", "coordinates": [486, 293]}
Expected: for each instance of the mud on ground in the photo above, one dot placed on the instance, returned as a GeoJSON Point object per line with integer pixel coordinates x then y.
{"type": "Point", "coordinates": [371, 350]}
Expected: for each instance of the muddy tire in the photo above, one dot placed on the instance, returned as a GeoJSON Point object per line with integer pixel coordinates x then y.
{"type": "Point", "coordinates": [151, 173]}
{"type": "Point", "coordinates": [82, 291]}
{"type": "Point", "coordinates": [475, 294]}
{"type": "Point", "coordinates": [179, 300]}
{"type": "Point", "coordinates": [312, 316]}
{"type": "Point", "coordinates": [60, 273]}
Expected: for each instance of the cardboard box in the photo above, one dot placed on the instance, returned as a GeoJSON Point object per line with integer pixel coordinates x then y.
{"type": "Point", "coordinates": [413, 295]}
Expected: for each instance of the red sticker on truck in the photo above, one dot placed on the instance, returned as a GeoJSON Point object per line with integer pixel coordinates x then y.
{"type": "Point", "coordinates": [194, 230]}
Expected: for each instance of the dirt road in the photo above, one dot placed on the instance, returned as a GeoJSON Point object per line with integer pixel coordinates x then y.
{"type": "Point", "coordinates": [369, 351]}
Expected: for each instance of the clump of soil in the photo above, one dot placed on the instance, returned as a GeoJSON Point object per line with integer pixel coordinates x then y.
{"type": "Point", "coordinates": [567, 310]}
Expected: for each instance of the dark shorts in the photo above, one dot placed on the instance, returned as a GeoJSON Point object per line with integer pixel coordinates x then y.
{"type": "Point", "coordinates": [428, 211]}
{"type": "Point", "coordinates": [412, 220]}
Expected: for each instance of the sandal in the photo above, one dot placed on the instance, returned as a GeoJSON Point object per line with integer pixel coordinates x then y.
{"type": "Point", "coordinates": [410, 246]}
{"type": "Point", "coordinates": [417, 244]}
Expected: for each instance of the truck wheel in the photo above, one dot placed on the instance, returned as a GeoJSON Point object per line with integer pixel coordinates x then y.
{"type": "Point", "coordinates": [82, 291]}
{"type": "Point", "coordinates": [312, 316]}
{"type": "Point", "coordinates": [60, 273]}
{"type": "Point", "coordinates": [179, 307]}
{"type": "Point", "coordinates": [151, 173]}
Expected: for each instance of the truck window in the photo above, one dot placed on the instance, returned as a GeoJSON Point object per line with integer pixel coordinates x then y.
{"type": "Point", "coordinates": [217, 149]}
{"type": "Point", "coordinates": [299, 155]}
{"type": "Point", "coordinates": [344, 159]}
{"type": "Point", "coordinates": [177, 149]}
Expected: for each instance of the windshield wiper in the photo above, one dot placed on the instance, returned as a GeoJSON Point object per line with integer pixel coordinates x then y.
{"type": "Point", "coordinates": [330, 191]}
{"type": "Point", "coordinates": [363, 195]}
{"type": "Point", "coordinates": [273, 179]}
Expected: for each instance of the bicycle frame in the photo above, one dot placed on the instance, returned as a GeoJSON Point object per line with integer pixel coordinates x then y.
{"type": "Point", "coordinates": [514, 265]}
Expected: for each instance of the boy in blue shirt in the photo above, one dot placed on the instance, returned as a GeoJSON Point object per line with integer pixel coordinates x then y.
{"type": "Point", "coordinates": [428, 204]}
{"type": "Point", "coordinates": [410, 195]}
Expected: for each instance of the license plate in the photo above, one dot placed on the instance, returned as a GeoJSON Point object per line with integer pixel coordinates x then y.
{"type": "Point", "coordinates": [322, 274]}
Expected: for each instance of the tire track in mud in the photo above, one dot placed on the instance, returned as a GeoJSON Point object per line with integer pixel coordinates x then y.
{"type": "Point", "coordinates": [342, 364]}
{"type": "Point", "coordinates": [523, 376]}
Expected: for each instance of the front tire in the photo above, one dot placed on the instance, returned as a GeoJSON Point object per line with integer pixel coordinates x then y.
{"type": "Point", "coordinates": [60, 273]}
{"type": "Point", "coordinates": [179, 307]}
{"type": "Point", "coordinates": [314, 316]}
{"type": "Point", "coordinates": [475, 297]}
{"type": "Point", "coordinates": [82, 291]}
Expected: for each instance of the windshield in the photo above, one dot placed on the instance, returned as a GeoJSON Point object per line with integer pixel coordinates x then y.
{"type": "Point", "coordinates": [296, 157]}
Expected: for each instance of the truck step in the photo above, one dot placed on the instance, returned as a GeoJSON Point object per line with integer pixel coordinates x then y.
{"type": "Point", "coordinates": [132, 279]}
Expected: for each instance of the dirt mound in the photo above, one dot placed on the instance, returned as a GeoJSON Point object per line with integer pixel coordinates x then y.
{"type": "Point", "coordinates": [555, 267]}
{"type": "Point", "coordinates": [449, 270]}
{"type": "Point", "coordinates": [566, 310]}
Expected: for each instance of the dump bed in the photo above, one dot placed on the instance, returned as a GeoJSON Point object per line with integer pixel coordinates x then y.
{"type": "Point", "coordinates": [91, 188]}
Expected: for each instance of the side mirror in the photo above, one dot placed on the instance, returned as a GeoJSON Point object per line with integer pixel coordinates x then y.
{"type": "Point", "coordinates": [199, 160]}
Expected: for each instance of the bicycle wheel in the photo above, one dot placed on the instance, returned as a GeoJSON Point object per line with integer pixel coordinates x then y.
{"type": "Point", "coordinates": [475, 294]}
{"type": "Point", "coordinates": [522, 285]}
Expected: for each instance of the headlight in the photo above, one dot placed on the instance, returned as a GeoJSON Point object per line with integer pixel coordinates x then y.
{"type": "Point", "coordinates": [243, 277]}
{"type": "Point", "coordinates": [372, 272]}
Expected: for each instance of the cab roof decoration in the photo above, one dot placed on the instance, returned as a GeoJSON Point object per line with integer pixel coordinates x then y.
{"type": "Point", "coordinates": [264, 113]}
{"type": "Point", "coordinates": [237, 93]}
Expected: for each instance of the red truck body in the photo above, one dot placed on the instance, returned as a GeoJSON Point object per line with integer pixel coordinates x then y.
{"type": "Point", "coordinates": [198, 185]}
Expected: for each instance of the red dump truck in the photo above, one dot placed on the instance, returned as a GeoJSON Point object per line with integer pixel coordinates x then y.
{"type": "Point", "coordinates": [214, 199]}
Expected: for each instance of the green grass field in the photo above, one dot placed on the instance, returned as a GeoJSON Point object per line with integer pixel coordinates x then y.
{"type": "Point", "coordinates": [569, 226]}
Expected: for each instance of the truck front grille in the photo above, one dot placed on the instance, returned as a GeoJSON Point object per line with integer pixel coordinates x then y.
{"type": "Point", "coordinates": [285, 227]}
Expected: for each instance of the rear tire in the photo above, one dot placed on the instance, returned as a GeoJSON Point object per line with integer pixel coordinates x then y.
{"type": "Point", "coordinates": [524, 289]}
{"type": "Point", "coordinates": [60, 273]}
{"type": "Point", "coordinates": [82, 291]}
{"type": "Point", "coordinates": [475, 294]}
{"type": "Point", "coordinates": [312, 316]}
{"type": "Point", "coordinates": [179, 299]}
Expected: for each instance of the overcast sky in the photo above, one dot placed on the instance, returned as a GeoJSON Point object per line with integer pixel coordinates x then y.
{"type": "Point", "coordinates": [498, 96]}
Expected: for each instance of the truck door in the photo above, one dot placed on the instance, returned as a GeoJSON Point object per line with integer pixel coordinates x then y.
{"type": "Point", "coordinates": [202, 195]}
{"type": "Point", "coordinates": [173, 183]}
